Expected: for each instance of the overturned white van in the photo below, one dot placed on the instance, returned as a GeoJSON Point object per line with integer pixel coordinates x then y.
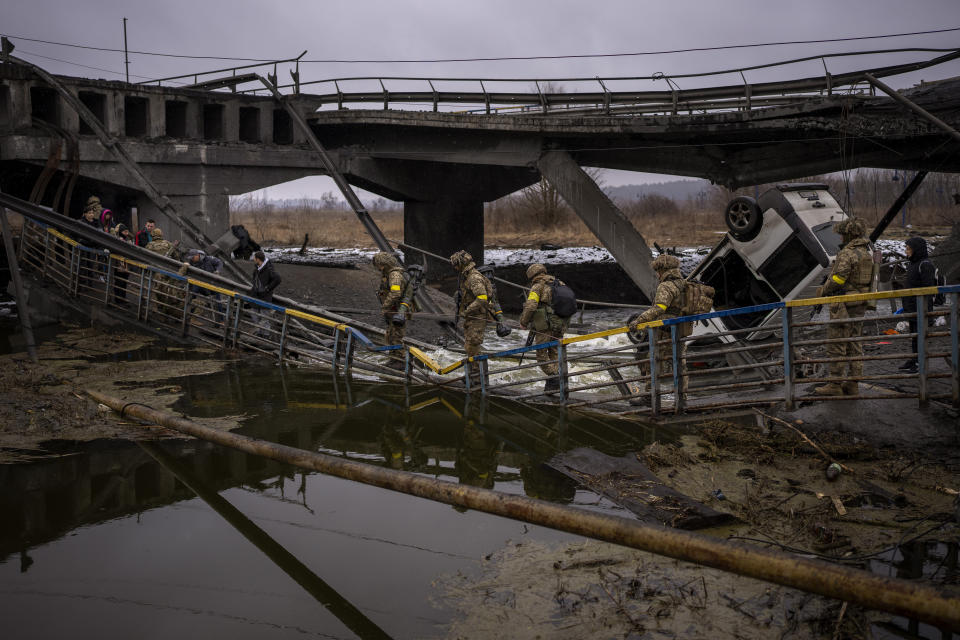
{"type": "Point", "coordinates": [778, 248]}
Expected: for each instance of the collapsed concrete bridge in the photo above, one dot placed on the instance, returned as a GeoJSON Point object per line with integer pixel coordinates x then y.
{"type": "Point", "coordinates": [194, 146]}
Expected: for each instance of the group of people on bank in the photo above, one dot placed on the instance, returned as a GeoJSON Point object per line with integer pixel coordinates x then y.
{"type": "Point", "coordinates": [265, 278]}
{"type": "Point", "coordinates": [852, 273]}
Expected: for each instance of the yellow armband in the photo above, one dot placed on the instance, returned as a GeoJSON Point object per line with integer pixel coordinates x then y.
{"type": "Point", "coordinates": [838, 279]}
{"type": "Point", "coordinates": [394, 287]}
{"type": "Point", "coordinates": [662, 306]}
{"type": "Point", "coordinates": [534, 296]}
{"type": "Point", "coordinates": [482, 296]}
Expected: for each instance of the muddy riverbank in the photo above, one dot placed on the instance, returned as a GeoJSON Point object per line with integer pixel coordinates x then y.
{"type": "Point", "coordinates": [46, 401]}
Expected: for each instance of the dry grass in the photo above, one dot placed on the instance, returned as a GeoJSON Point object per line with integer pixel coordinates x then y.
{"type": "Point", "coordinates": [538, 215]}
{"type": "Point", "coordinates": [326, 227]}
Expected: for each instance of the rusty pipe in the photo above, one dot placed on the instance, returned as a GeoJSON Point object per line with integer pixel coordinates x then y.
{"type": "Point", "coordinates": [901, 597]}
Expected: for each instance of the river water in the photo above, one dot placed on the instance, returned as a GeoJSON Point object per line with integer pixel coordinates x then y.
{"type": "Point", "coordinates": [119, 540]}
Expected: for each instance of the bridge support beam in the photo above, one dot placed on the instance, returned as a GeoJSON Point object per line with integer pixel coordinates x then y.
{"type": "Point", "coordinates": [601, 216]}
{"type": "Point", "coordinates": [444, 227]}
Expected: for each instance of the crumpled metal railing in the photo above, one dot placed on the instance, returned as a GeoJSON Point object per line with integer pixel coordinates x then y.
{"type": "Point", "coordinates": [663, 371]}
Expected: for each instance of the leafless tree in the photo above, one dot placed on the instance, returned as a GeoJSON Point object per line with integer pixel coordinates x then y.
{"type": "Point", "coordinates": [543, 202]}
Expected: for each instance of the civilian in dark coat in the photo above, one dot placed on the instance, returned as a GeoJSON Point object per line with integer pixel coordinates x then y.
{"type": "Point", "coordinates": [265, 278]}
{"type": "Point", "coordinates": [920, 273]}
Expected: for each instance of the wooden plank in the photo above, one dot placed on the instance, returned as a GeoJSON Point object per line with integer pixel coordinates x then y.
{"type": "Point", "coordinates": [630, 483]}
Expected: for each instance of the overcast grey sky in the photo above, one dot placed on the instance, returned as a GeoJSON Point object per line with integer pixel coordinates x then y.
{"type": "Point", "coordinates": [430, 29]}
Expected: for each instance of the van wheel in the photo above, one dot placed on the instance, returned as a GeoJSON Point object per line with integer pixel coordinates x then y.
{"type": "Point", "coordinates": [744, 218]}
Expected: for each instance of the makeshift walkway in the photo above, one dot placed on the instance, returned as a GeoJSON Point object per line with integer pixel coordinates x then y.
{"type": "Point", "coordinates": [597, 370]}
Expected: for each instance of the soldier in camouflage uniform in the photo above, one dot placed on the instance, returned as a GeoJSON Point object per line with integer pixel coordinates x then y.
{"type": "Point", "coordinates": [166, 296]}
{"type": "Point", "coordinates": [667, 303]}
{"type": "Point", "coordinates": [392, 285]}
{"type": "Point", "coordinates": [852, 273]}
{"type": "Point", "coordinates": [475, 294]}
{"type": "Point", "coordinates": [538, 311]}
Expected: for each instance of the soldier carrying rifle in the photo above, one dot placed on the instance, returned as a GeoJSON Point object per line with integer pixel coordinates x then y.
{"type": "Point", "coordinates": [853, 272]}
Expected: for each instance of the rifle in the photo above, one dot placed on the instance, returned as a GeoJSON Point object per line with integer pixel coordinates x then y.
{"type": "Point", "coordinates": [415, 274]}
{"type": "Point", "coordinates": [819, 307]}
{"type": "Point", "coordinates": [530, 338]}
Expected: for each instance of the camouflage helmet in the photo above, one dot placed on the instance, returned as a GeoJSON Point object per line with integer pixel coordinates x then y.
{"type": "Point", "coordinates": [535, 270]}
{"type": "Point", "coordinates": [156, 234]}
{"type": "Point", "coordinates": [460, 260]}
{"type": "Point", "coordinates": [384, 260]}
{"type": "Point", "coordinates": [665, 262]}
{"type": "Point", "coordinates": [850, 228]}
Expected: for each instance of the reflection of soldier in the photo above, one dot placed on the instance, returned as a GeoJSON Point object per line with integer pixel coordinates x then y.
{"type": "Point", "coordinates": [667, 303]}
{"type": "Point", "coordinates": [391, 446]}
{"type": "Point", "coordinates": [543, 483]}
{"type": "Point", "coordinates": [395, 442]}
{"type": "Point", "coordinates": [538, 311]}
{"type": "Point", "coordinates": [477, 457]}
{"type": "Point", "coordinates": [392, 284]}
{"type": "Point", "coordinates": [852, 273]}
{"type": "Point", "coordinates": [475, 293]}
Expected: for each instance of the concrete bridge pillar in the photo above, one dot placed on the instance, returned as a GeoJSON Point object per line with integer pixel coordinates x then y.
{"type": "Point", "coordinates": [156, 120]}
{"type": "Point", "coordinates": [19, 106]}
{"type": "Point", "coordinates": [444, 227]}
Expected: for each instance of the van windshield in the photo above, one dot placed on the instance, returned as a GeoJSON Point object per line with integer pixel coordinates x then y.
{"type": "Point", "coordinates": [737, 286]}
{"type": "Point", "coordinates": [788, 266]}
{"type": "Point", "coordinates": [830, 240]}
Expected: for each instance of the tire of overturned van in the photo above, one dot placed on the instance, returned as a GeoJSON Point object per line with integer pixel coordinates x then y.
{"type": "Point", "coordinates": [743, 218]}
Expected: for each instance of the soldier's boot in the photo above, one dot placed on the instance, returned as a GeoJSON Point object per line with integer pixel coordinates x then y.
{"type": "Point", "coordinates": [850, 388]}
{"type": "Point", "coordinates": [552, 385]}
{"type": "Point", "coordinates": [829, 389]}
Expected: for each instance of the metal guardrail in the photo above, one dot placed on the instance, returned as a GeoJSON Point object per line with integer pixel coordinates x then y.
{"type": "Point", "coordinates": [693, 377]}
{"type": "Point", "coordinates": [192, 308]}
{"type": "Point", "coordinates": [598, 98]}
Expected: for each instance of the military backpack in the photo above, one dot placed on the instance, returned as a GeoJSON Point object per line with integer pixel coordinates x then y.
{"type": "Point", "coordinates": [564, 301]}
{"type": "Point", "coordinates": [697, 298]}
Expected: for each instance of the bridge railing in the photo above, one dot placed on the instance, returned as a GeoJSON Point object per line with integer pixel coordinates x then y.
{"type": "Point", "coordinates": [661, 369]}
{"type": "Point", "coordinates": [610, 95]}
{"type": "Point", "coordinates": [185, 307]}
{"type": "Point", "coordinates": [667, 370]}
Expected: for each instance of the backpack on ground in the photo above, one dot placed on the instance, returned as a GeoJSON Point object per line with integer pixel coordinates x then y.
{"type": "Point", "coordinates": [697, 298]}
{"type": "Point", "coordinates": [939, 280]}
{"type": "Point", "coordinates": [564, 299]}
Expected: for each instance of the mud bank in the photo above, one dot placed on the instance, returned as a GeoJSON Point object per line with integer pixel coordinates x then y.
{"type": "Point", "coordinates": [46, 401]}
{"type": "Point", "coordinates": [891, 511]}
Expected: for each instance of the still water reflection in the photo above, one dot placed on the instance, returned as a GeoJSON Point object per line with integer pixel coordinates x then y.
{"type": "Point", "coordinates": [121, 540]}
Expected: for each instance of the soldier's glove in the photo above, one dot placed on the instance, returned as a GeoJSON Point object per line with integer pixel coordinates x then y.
{"type": "Point", "coordinates": [635, 335]}
{"type": "Point", "coordinates": [398, 319]}
{"type": "Point", "coordinates": [502, 330]}
{"type": "Point", "coordinates": [183, 269]}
